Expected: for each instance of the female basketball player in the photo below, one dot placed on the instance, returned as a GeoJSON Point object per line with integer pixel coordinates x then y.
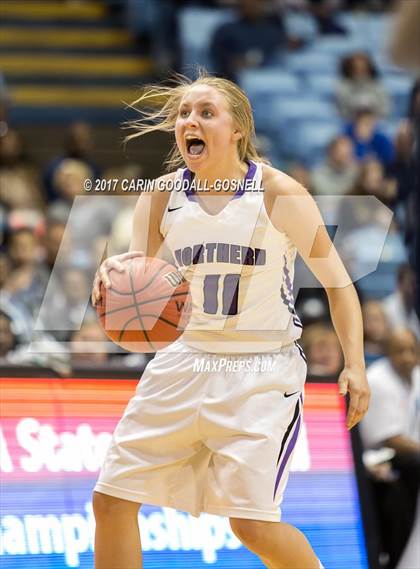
{"type": "Point", "coordinates": [221, 441]}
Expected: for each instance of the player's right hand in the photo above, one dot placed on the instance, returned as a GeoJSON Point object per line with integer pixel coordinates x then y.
{"type": "Point", "coordinates": [102, 274]}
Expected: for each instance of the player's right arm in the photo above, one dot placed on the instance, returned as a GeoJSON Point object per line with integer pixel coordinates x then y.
{"type": "Point", "coordinates": [146, 238]}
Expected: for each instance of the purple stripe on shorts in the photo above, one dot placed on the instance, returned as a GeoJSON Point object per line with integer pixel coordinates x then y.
{"type": "Point", "coordinates": [288, 430]}
{"type": "Point", "coordinates": [287, 454]}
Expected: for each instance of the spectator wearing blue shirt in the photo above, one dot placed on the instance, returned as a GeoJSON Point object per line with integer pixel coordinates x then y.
{"type": "Point", "coordinates": [368, 140]}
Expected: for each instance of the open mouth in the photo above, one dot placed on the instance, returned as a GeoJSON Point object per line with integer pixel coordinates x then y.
{"type": "Point", "coordinates": [195, 146]}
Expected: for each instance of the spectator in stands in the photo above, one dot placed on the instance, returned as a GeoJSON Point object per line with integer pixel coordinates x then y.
{"type": "Point", "coordinates": [251, 41]}
{"type": "Point", "coordinates": [4, 105]}
{"type": "Point", "coordinates": [402, 167]}
{"type": "Point", "coordinates": [91, 217]}
{"type": "Point", "coordinates": [371, 181]}
{"type": "Point", "coordinates": [29, 277]}
{"type": "Point", "coordinates": [72, 299]}
{"type": "Point", "coordinates": [405, 51]}
{"type": "Point", "coordinates": [79, 146]}
{"type": "Point", "coordinates": [376, 330]}
{"type": "Point", "coordinates": [89, 345]}
{"type": "Point", "coordinates": [15, 352]}
{"type": "Point", "coordinates": [337, 174]}
{"type": "Point", "coordinates": [367, 138]}
{"type": "Point", "coordinates": [69, 303]}
{"type": "Point", "coordinates": [360, 87]}
{"type": "Point", "coordinates": [54, 242]}
{"type": "Point", "coordinates": [393, 421]}
{"type": "Point", "coordinates": [120, 237]}
{"type": "Point", "coordinates": [413, 233]}
{"type": "Point", "coordinates": [311, 303]}
{"type": "Point", "coordinates": [68, 180]}
{"type": "Point", "coordinates": [5, 267]}
{"type": "Point", "coordinates": [22, 322]}
{"type": "Point", "coordinates": [399, 306]}
{"type": "Point", "coordinates": [301, 174]}
{"type": "Point", "coordinates": [58, 313]}
{"type": "Point", "coordinates": [324, 12]}
{"type": "Point", "coordinates": [414, 105]}
{"type": "Point", "coordinates": [27, 218]}
{"type": "Point", "coordinates": [19, 184]}
{"type": "Point", "coordinates": [155, 28]}
{"type": "Point", "coordinates": [8, 340]}
{"type": "Point", "coordinates": [367, 233]}
{"type": "Point", "coordinates": [322, 350]}
{"type": "Point", "coordinates": [120, 230]}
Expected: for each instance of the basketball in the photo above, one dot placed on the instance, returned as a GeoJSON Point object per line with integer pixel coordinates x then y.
{"type": "Point", "coordinates": [147, 305]}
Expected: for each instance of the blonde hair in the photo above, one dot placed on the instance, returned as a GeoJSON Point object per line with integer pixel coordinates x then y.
{"type": "Point", "coordinates": [167, 99]}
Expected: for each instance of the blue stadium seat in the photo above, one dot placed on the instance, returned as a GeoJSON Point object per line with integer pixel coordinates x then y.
{"type": "Point", "coordinates": [381, 282]}
{"type": "Point", "coordinates": [337, 46]}
{"type": "Point", "coordinates": [264, 87]}
{"type": "Point", "coordinates": [380, 32]}
{"type": "Point", "coordinates": [306, 62]}
{"type": "Point", "coordinates": [357, 24]}
{"type": "Point", "coordinates": [196, 29]}
{"type": "Point", "coordinates": [286, 109]}
{"type": "Point", "coordinates": [268, 82]}
{"type": "Point", "coordinates": [300, 24]}
{"type": "Point", "coordinates": [322, 85]}
{"type": "Point", "coordinates": [399, 87]}
{"type": "Point", "coordinates": [369, 31]}
{"type": "Point", "coordinates": [308, 140]}
{"type": "Point", "coordinates": [386, 66]}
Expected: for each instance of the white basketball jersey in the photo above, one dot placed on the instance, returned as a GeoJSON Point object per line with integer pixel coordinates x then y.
{"type": "Point", "coordinates": [240, 269]}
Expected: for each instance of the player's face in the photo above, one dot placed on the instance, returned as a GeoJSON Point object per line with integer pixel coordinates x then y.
{"type": "Point", "coordinates": [204, 129]}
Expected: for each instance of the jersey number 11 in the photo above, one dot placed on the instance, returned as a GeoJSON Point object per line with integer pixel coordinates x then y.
{"type": "Point", "coordinates": [230, 294]}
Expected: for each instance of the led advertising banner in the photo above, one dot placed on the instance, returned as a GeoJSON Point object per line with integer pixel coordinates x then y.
{"type": "Point", "coordinates": [54, 434]}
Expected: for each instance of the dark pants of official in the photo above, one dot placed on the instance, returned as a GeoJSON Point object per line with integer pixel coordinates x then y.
{"type": "Point", "coordinates": [395, 504]}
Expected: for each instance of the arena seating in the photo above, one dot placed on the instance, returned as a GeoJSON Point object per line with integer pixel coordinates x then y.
{"type": "Point", "coordinates": [66, 59]}
{"type": "Point", "coordinates": [301, 85]}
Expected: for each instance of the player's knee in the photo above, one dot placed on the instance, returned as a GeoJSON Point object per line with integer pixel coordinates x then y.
{"type": "Point", "coordinates": [105, 507]}
{"type": "Point", "coordinates": [250, 532]}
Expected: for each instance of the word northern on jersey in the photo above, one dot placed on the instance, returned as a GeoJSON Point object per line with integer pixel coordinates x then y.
{"type": "Point", "coordinates": [220, 253]}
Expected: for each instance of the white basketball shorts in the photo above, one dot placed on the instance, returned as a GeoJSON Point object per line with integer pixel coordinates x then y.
{"type": "Point", "coordinates": [209, 433]}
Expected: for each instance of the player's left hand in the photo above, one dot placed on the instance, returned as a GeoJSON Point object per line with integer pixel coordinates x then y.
{"type": "Point", "coordinates": [354, 382]}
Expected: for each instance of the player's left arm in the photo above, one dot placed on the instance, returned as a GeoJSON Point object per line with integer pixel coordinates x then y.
{"type": "Point", "coordinates": [293, 211]}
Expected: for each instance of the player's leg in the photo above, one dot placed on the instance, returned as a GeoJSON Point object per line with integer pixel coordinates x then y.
{"type": "Point", "coordinates": [248, 474]}
{"type": "Point", "coordinates": [117, 536]}
{"type": "Point", "coordinates": [277, 544]}
{"type": "Point", "coordinates": [154, 449]}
